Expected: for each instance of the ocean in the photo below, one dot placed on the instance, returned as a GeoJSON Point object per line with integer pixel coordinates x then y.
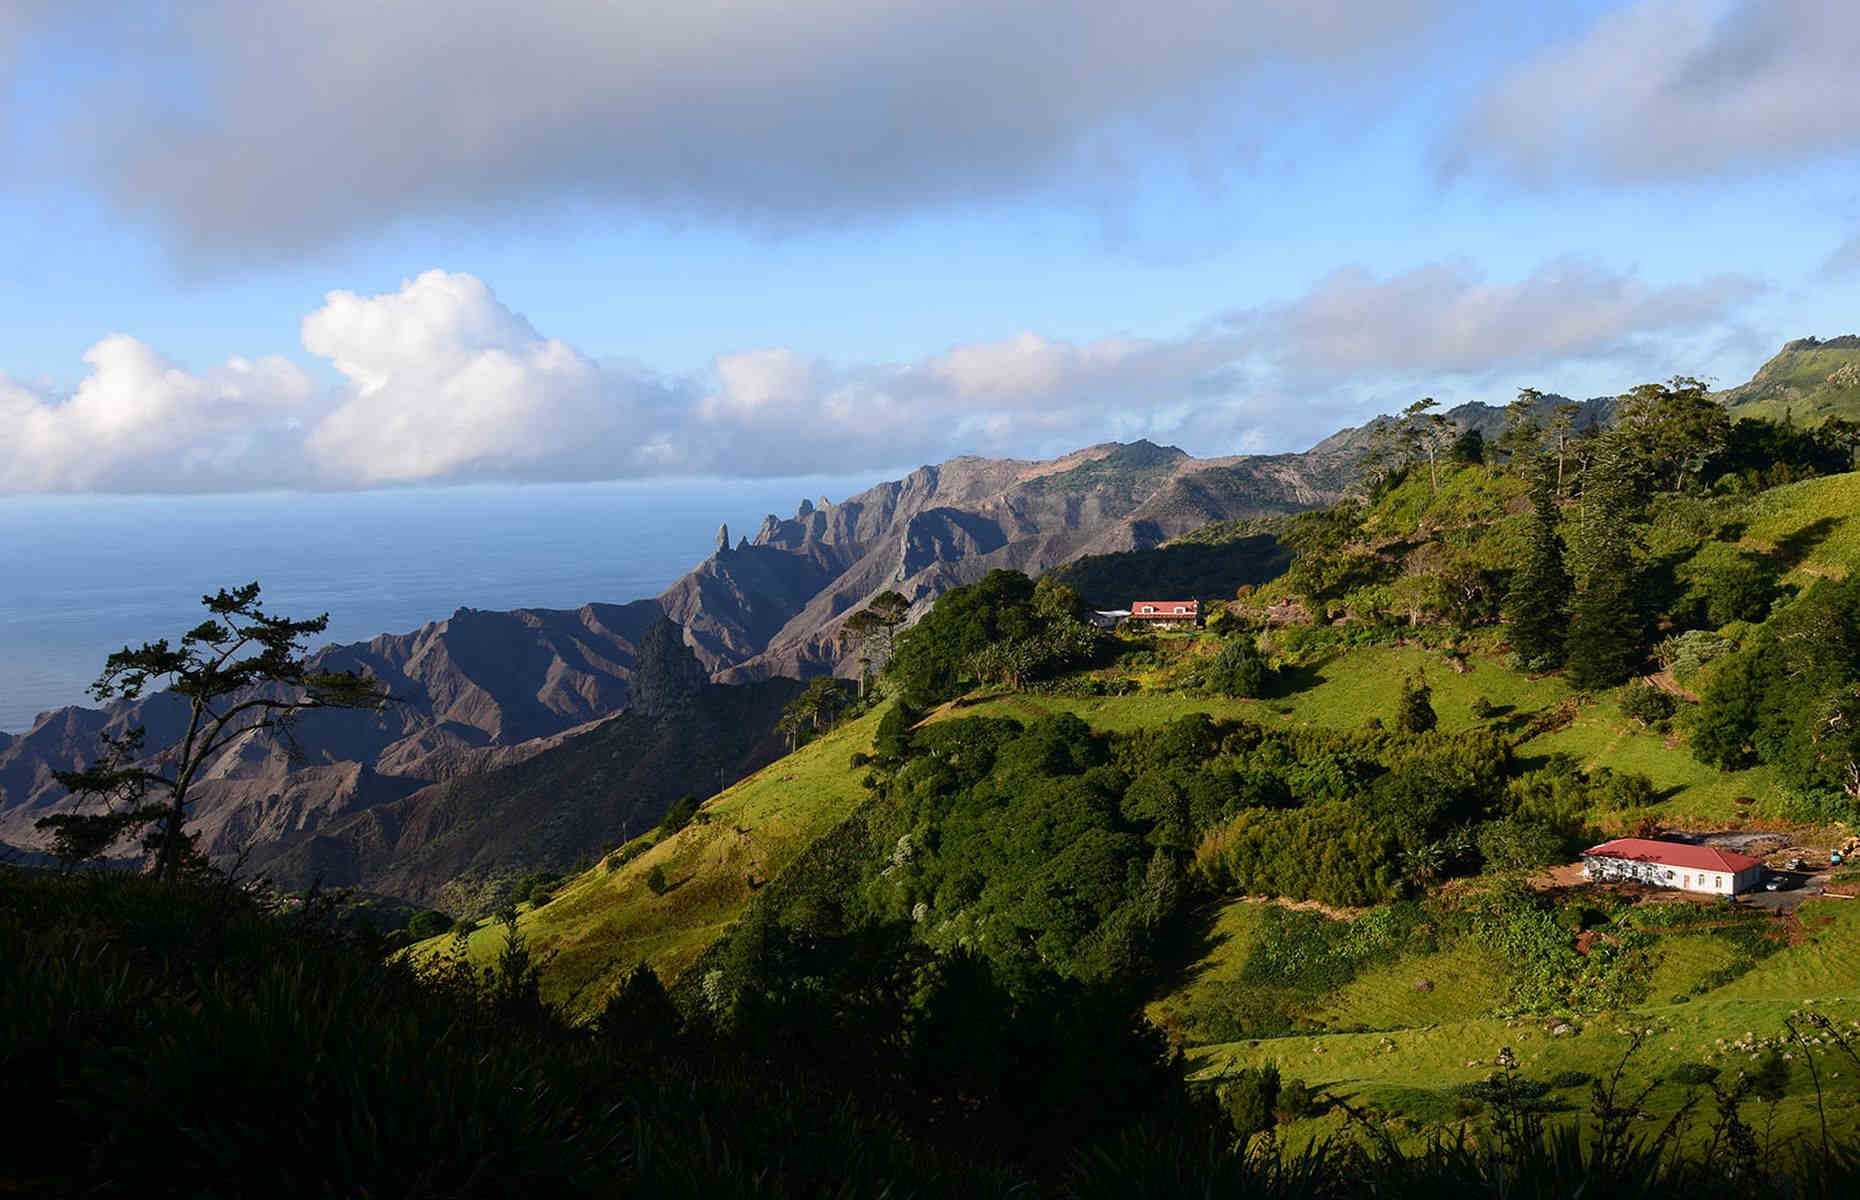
{"type": "Point", "coordinates": [81, 576]}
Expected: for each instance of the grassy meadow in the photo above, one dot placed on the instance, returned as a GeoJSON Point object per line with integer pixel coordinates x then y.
{"type": "Point", "coordinates": [1402, 1035]}
{"type": "Point", "coordinates": [602, 922]}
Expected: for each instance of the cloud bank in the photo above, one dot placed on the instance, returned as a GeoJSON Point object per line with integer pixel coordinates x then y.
{"type": "Point", "coordinates": [1664, 89]}
{"type": "Point", "coordinates": [440, 381]}
{"type": "Point", "coordinates": [244, 127]}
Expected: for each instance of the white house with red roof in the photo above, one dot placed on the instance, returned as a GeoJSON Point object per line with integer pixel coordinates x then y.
{"type": "Point", "coordinates": [1165, 612]}
{"type": "Point", "coordinates": [1673, 864]}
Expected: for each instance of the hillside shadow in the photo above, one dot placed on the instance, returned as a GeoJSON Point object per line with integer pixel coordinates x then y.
{"type": "Point", "coordinates": [1289, 681]}
{"type": "Point", "coordinates": [1187, 954]}
{"type": "Point", "coordinates": [1796, 548]}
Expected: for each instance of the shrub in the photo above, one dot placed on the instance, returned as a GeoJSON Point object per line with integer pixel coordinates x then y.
{"type": "Point", "coordinates": [1514, 844]}
{"type": "Point", "coordinates": [541, 894]}
{"type": "Point", "coordinates": [1296, 1099]}
{"type": "Point", "coordinates": [1481, 708]}
{"type": "Point", "coordinates": [1414, 712]}
{"type": "Point", "coordinates": [1237, 670]}
{"type": "Point", "coordinates": [859, 759]}
{"type": "Point", "coordinates": [1686, 653]}
{"type": "Point", "coordinates": [1647, 704]}
{"type": "Point", "coordinates": [429, 924]}
{"type": "Point", "coordinates": [1692, 1074]}
{"type": "Point", "coordinates": [1250, 1100]}
{"type": "Point", "coordinates": [1570, 1079]}
{"type": "Point", "coordinates": [627, 854]}
{"type": "Point", "coordinates": [655, 880]}
{"type": "Point", "coordinates": [679, 814]}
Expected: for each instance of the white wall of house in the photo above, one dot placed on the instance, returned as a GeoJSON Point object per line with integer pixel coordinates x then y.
{"type": "Point", "coordinates": [1686, 879]}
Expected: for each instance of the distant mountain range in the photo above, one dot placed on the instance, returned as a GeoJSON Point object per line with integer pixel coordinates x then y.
{"type": "Point", "coordinates": [483, 693]}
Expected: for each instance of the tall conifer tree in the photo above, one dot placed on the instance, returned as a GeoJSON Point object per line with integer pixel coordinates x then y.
{"type": "Point", "coordinates": [1536, 610]}
{"type": "Point", "coordinates": [1608, 622]}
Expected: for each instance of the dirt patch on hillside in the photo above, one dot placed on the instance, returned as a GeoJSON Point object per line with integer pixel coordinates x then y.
{"type": "Point", "coordinates": [1665, 681]}
{"type": "Point", "coordinates": [1329, 910]}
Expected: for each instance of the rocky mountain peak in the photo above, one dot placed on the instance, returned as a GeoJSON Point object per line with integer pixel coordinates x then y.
{"type": "Point", "coordinates": [666, 674]}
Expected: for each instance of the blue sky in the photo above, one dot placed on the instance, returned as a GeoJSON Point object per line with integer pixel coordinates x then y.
{"type": "Point", "coordinates": [353, 244]}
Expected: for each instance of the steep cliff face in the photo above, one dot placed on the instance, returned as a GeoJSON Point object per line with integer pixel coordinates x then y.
{"type": "Point", "coordinates": [470, 688]}
{"type": "Point", "coordinates": [945, 526]}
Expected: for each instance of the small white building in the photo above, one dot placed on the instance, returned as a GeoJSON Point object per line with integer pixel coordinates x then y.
{"type": "Point", "coordinates": [1678, 865]}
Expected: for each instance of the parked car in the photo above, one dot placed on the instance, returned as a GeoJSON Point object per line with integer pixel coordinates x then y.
{"type": "Point", "coordinates": [1773, 884]}
{"type": "Point", "coordinates": [1796, 864]}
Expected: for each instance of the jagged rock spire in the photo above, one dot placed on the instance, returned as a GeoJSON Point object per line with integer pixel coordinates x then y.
{"type": "Point", "coordinates": [666, 674]}
{"type": "Point", "coordinates": [723, 538]}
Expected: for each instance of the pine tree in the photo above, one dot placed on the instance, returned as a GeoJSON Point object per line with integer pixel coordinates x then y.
{"type": "Point", "coordinates": [1536, 608]}
{"type": "Point", "coordinates": [1608, 622]}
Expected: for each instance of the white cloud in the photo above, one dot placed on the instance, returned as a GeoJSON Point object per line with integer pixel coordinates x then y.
{"type": "Point", "coordinates": [282, 125]}
{"type": "Point", "coordinates": [1666, 88]}
{"type": "Point", "coordinates": [1447, 318]}
{"type": "Point", "coordinates": [447, 382]}
{"type": "Point", "coordinates": [443, 382]}
{"type": "Point", "coordinates": [138, 421]}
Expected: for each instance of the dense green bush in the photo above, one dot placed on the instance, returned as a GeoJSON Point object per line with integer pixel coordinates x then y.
{"type": "Point", "coordinates": [1518, 844]}
{"type": "Point", "coordinates": [1692, 1074]}
{"type": "Point", "coordinates": [1647, 704]}
{"type": "Point", "coordinates": [1414, 710]}
{"type": "Point", "coordinates": [1251, 1100]}
{"type": "Point", "coordinates": [429, 924]}
{"type": "Point", "coordinates": [1237, 669]}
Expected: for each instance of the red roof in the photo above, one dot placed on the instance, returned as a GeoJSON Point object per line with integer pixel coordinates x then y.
{"type": "Point", "coordinates": [1674, 854]}
{"type": "Point", "coordinates": [1163, 609]}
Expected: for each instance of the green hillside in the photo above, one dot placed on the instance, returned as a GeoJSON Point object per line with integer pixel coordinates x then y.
{"type": "Point", "coordinates": [1415, 1030]}
{"type": "Point", "coordinates": [1288, 905]}
{"type": "Point", "coordinates": [1813, 527]}
{"type": "Point", "coordinates": [1808, 381]}
{"type": "Point", "coordinates": [603, 921]}
{"type": "Point", "coordinates": [1341, 690]}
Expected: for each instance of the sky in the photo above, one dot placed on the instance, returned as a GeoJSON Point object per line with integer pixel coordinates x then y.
{"type": "Point", "coordinates": [343, 244]}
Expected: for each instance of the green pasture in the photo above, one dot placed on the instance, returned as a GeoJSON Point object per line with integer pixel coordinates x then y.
{"type": "Point", "coordinates": [602, 922]}
{"type": "Point", "coordinates": [1419, 1044]}
{"type": "Point", "coordinates": [1814, 526]}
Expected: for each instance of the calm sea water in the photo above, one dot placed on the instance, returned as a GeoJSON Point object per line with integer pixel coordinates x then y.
{"type": "Point", "coordinates": [81, 576]}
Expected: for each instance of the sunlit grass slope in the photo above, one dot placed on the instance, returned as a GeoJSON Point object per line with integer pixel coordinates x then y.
{"type": "Point", "coordinates": [1814, 526]}
{"type": "Point", "coordinates": [1348, 688]}
{"type": "Point", "coordinates": [1428, 1026]}
{"type": "Point", "coordinates": [603, 922]}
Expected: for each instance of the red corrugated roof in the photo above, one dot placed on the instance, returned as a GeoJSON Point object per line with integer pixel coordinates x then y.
{"type": "Point", "coordinates": [1675, 854]}
{"type": "Point", "coordinates": [1165, 608]}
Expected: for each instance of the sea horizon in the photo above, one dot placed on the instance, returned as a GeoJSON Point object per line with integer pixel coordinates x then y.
{"type": "Point", "coordinates": [82, 575]}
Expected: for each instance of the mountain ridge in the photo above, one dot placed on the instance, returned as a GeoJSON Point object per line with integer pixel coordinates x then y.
{"type": "Point", "coordinates": [486, 691]}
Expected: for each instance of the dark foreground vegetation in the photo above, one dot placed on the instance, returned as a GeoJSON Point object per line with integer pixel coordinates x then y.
{"type": "Point", "coordinates": [184, 1038]}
